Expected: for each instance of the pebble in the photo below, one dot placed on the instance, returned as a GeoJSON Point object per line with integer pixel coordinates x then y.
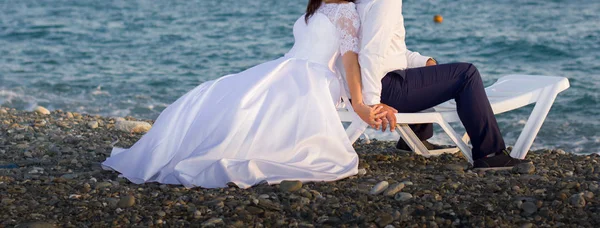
{"type": "Point", "coordinates": [407, 183]}
{"type": "Point", "coordinates": [455, 167]}
{"type": "Point", "coordinates": [264, 196]}
{"type": "Point", "coordinates": [362, 172]}
{"type": "Point", "coordinates": [529, 208]}
{"type": "Point", "coordinates": [69, 176]}
{"type": "Point", "coordinates": [213, 222]}
{"type": "Point", "coordinates": [127, 201]}
{"type": "Point", "coordinates": [403, 196]}
{"type": "Point", "coordinates": [254, 210]}
{"type": "Point", "coordinates": [197, 214]}
{"type": "Point", "coordinates": [70, 115]}
{"type": "Point", "coordinates": [112, 202]}
{"type": "Point", "coordinates": [527, 225]}
{"type": "Point", "coordinates": [524, 168]}
{"type": "Point", "coordinates": [393, 189]}
{"type": "Point", "coordinates": [577, 200]}
{"type": "Point", "coordinates": [92, 124]}
{"type": "Point", "coordinates": [102, 185]}
{"type": "Point", "coordinates": [588, 195]}
{"type": "Point", "coordinates": [41, 110]}
{"type": "Point", "coordinates": [379, 188]}
{"type": "Point", "coordinates": [268, 205]}
{"type": "Point", "coordinates": [384, 220]}
{"type": "Point", "coordinates": [161, 213]}
{"type": "Point", "coordinates": [133, 126]}
{"type": "Point", "coordinates": [3, 111]}
{"type": "Point", "coordinates": [290, 186]}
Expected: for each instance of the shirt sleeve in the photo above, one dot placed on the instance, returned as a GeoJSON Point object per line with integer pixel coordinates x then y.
{"type": "Point", "coordinates": [415, 59]}
{"type": "Point", "coordinates": [348, 24]}
{"type": "Point", "coordinates": [377, 33]}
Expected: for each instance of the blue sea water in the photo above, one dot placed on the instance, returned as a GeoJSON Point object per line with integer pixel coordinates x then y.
{"type": "Point", "coordinates": [133, 58]}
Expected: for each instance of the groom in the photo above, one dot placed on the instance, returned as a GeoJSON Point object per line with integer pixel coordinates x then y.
{"type": "Point", "coordinates": [390, 82]}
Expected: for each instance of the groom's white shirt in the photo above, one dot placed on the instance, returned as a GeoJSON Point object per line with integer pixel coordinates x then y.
{"type": "Point", "coordinates": [382, 45]}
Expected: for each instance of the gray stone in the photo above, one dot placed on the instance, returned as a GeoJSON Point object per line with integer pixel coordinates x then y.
{"type": "Point", "coordinates": [393, 189]}
{"type": "Point", "coordinates": [132, 126]}
{"type": "Point", "coordinates": [69, 176]}
{"type": "Point", "coordinates": [524, 168]}
{"type": "Point", "coordinates": [161, 213]}
{"type": "Point", "coordinates": [290, 186]}
{"type": "Point", "coordinates": [268, 205]}
{"type": "Point", "coordinates": [577, 200]}
{"type": "Point", "coordinates": [264, 196]}
{"type": "Point", "coordinates": [379, 188]}
{"type": "Point", "coordinates": [407, 183]}
{"type": "Point", "coordinates": [403, 196]}
{"type": "Point", "coordinates": [112, 202]}
{"type": "Point", "coordinates": [529, 208]}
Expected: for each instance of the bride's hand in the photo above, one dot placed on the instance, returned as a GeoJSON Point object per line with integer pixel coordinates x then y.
{"type": "Point", "coordinates": [371, 115]}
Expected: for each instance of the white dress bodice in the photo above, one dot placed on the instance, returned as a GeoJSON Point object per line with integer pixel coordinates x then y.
{"type": "Point", "coordinates": [330, 32]}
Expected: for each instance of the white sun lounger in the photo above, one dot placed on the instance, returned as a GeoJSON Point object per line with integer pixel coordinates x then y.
{"type": "Point", "coordinates": [508, 93]}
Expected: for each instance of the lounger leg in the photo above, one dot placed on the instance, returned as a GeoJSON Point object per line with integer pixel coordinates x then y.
{"type": "Point", "coordinates": [412, 140]}
{"type": "Point", "coordinates": [459, 141]}
{"type": "Point", "coordinates": [355, 129]}
{"type": "Point", "coordinates": [534, 123]}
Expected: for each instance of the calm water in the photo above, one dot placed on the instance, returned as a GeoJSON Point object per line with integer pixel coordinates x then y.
{"type": "Point", "coordinates": [120, 58]}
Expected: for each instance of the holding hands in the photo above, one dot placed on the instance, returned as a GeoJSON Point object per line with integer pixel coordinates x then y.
{"type": "Point", "coordinates": [379, 115]}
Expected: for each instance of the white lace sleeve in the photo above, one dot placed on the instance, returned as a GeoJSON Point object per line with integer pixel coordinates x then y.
{"type": "Point", "coordinates": [348, 24]}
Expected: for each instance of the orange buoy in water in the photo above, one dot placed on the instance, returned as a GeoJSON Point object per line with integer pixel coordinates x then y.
{"type": "Point", "coordinates": [438, 18]}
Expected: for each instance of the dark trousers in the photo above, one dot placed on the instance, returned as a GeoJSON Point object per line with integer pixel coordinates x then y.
{"type": "Point", "coordinates": [417, 89]}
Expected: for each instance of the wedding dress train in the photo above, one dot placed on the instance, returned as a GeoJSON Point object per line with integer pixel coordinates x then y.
{"type": "Point", "coordinates": [273, 122]}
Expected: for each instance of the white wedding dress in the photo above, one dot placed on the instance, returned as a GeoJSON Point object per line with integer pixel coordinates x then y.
{"type": "Point", "coordinates": [273, 122]}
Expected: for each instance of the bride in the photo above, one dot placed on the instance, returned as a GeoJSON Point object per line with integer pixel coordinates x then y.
{"type": "Point", "coordinates": [273, 122]}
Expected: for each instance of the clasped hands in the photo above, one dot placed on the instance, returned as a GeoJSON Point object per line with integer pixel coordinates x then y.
{"type": "Point", "coordinates": [377, 116]}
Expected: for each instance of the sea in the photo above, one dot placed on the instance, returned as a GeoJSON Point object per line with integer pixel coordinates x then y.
{"type": "Point", "coordinates": [135, 57]}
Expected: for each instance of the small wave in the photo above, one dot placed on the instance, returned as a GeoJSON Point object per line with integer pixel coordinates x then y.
{"type": "Point", "coordinates": [98, 91]}
{"type": "Point", "coordinates": [17, 100]}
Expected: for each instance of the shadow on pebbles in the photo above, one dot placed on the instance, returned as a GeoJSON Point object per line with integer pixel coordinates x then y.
{"type": "Point", "coordinates": [50, 175]}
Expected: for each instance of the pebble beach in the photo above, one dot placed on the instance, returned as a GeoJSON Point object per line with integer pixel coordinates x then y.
{"type": "Point", "coordinates": [50, 176]}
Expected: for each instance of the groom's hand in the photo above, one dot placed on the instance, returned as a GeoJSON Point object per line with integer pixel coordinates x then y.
{"type": "Point", "coordinates": [431, 62]}
{"type": "Point", "coordinates": [389, 118]}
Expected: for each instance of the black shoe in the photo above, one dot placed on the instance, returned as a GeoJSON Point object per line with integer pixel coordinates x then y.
{"type": "Point", "coordinates": [401, 145]}
{"type": "Point", "coordinates": [501, 161]}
